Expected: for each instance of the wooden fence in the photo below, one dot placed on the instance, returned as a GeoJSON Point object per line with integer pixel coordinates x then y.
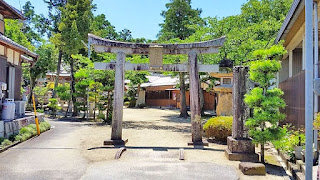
{"type": "Point", "coordinates": [294, 96]}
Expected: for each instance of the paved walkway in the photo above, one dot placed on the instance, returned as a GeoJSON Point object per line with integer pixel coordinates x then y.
{"type": "Point", "coordinates": [73, 150]}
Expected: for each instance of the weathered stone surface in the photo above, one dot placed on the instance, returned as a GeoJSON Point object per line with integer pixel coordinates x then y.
{"type": "Point", "coordinates": [240, 109]}
{"type": "Point", "coordinates": [115, 142]}
{"type": "Point", "coordinates": [105, 45]}
{"type": "Point", "coordinates": [224, 107]}
{"type": "Point", "coordinates": [240, 145]}
{"type": "Point", "coordinates": [246, 157]}
{"type": "Point", "coordinates": [249, 168]}
{"type": "Point", "coordinates": [196, 125]}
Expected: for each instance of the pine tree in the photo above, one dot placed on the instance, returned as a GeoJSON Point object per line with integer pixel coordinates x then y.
{"type": "Point", "coordinates": [265, 100]}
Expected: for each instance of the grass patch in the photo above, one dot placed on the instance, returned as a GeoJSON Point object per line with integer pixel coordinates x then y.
{"type": "Point", "coordinates": [31, 130]}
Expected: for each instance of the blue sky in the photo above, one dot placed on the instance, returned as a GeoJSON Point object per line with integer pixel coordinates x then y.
{"type": "Point", "coordinates": [143, 17]}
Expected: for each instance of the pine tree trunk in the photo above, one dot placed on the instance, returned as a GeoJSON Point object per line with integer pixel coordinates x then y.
{"type": "Point", "coordinates": [32, 85]}
{"type": "Point", "coordinates": [66, 115]}
{"type": "Point", "coordinates": [138, 91]}
{"type": "Point", "coordinates": [262, 153]}
{"type": "Point", "coordinates": [56, 82]}
{"type": "Point", "coordinates": [183, 102]}
{"type": "Point", "coordinates": [72, 89]}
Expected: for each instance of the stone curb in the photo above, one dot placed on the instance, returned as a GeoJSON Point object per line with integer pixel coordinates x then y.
{"type": "Point", "coordinates": [18, 142]}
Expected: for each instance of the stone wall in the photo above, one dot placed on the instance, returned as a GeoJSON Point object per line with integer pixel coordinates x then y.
{"type": "Point", "coordinates": [224, 106]}
{"type": "Point", "coordinates": [13, 127]}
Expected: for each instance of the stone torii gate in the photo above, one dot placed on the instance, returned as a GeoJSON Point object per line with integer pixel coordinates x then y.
{"type": "Point", "coordinates": [155, 52]}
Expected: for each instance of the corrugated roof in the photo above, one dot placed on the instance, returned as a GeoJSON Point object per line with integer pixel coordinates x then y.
{"type": "Point", "coordinates": [287, 21]}
{"type": "Point", "coordinates": [160, 80]}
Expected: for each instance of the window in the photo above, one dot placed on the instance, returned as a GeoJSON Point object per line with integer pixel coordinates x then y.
{"type": "Point", "coordinates": [226, 81]}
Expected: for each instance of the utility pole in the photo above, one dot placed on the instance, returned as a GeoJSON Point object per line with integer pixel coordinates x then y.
{"type": "Point", "coordinates": [309, 86]}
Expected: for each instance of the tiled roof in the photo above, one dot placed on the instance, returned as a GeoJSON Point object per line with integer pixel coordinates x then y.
{"type": "Point", "coordinates": [11, 43]}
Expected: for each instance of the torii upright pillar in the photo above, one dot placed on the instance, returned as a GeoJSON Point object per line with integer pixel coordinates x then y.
{"type": "Point", "coordinates": [196, 125]}
{"type": "Point", "coordinates": [117, 113]}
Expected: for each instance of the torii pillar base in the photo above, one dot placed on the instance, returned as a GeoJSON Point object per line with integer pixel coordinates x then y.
{"type": "Point", "coordinates": [200, 143]}
{"type": "Point", "coordinates": [115, 142]}
{"type": "Point", "coordinates": [241, 150]}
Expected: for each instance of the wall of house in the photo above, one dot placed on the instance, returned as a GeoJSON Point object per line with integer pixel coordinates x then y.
{"type": "Point", "coordinates": [294, 91]}
{"type": "Point", "coordinates": [2, 24]}
{"type": "Point", "coordinates": [284, 72]}
{"type": "Point", "coordinates": [297, 61]}
{"type": "Point", "coordinates": [3, 69]}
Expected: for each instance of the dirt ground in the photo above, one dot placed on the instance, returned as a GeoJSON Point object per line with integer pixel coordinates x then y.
{"type": "Point", "coordinates": [157, 135]}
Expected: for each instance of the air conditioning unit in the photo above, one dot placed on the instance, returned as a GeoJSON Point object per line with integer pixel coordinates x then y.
{"type": "Point", "coordinates": [20, 108]}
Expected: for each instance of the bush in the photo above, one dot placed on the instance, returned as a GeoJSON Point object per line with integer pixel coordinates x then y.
{"type": "Point", "coordinates": [40, 110]}
{"type": "Point", "coordinates": [219, 127]}
{"type": "Point", "coordinates": [6, 142]}
{"type": "Point", "coordinates": [289, 141]}
{"type": "Point", "coordinates": [31, 130]}
{"type": "Point", "coordinates": [1, 139]}
{"type": "Point", "coordinates": [126, 104]}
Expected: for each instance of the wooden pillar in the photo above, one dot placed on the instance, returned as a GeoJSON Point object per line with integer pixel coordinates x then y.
{"type": "Point", "coordinates": [196, 126]}
{"type": "Point", "coordinates": [117, 114]}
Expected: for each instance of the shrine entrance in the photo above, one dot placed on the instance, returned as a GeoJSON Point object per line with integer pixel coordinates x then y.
{"type": "Point", "coordinates": [155, 52]}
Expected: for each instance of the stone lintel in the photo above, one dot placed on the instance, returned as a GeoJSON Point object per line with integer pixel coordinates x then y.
{"type": "Point", "coordinates": [165, 67]}
{"type": "Point", "coordinates": [115, 142]}
{"type": "Point", "coordinates": [110, 46]}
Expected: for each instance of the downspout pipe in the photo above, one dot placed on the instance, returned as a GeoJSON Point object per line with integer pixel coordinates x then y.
{"type": "Point", "coordinates": [309, 87]}
{"type": "Point", "coordinates": [316, 68]}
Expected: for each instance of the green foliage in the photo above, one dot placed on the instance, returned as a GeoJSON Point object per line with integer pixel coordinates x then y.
{"type": "Point", "coordinates": [29, 131]}
{"type": "Point", "coordinates": [1, 139]}
{"type": "Point", "coordinates": [6, 142]}
{"type": "Point", "coordinates": [53, 105]}
{"type": "Point", "coordinates": [44, 126]}
{"type": "Point", "coordinates": [289, 141]}
{"type": "Point", "coordinates": [316, 122]}
{"type": "Point", "coordinates": [178, 20]}
{"type": "Point", "coordinates": [63, 91]}
{"type": "Point", "coordinates": [100, 26]}
{"type": "Point", "coordinates": [40, 94]}
{"type": "Point", "coordinates": [265, 100]}
{"type": "Point", "coordinates": [219, 127]}
{"type": "Point", "coordinates": [74, 26]}
{"type": "Point", "coordinates": [255, 28]}
{"type": "Point", "coordinates": [14, 31]}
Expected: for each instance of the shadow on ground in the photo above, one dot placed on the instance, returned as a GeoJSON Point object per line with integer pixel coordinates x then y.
{"type": "Point", "coordinates": [150, 125]}
{"type": "Point", "coordinates": [157, 148]}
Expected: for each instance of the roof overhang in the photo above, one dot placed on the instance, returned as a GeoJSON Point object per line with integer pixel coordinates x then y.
{"type": "Point", "coordinates": [5, 41]}
{"type": "Point", "coordinates": [293, 21]}
{"type": "Point", "coordinates": [10, 12]}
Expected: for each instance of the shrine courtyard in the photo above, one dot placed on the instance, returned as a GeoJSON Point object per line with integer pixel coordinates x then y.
{"type": "Point", "coordinates": [74, 150]}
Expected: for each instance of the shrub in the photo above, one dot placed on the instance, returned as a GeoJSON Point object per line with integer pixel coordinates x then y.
{"type": "Point", "coordinates": [31, 130]}
{"type": "Point", "coordinates": [219, 127]}
{"type": "Point", "coordinates": [1, 139]}
{"type": "Point", "coordinates": [40, 110]}
{"type": "Point", "coordinates": [6, 142]}
{"type": "Point", "coordinates": [126, 104]}
{"type": "Point", "coordinates": [141, 105]}
{"type": "Point", "coordinates": [289, 141]}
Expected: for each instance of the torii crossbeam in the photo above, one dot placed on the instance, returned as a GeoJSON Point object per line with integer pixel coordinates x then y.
{"type": "Point", "coordinates": [155, 52]}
